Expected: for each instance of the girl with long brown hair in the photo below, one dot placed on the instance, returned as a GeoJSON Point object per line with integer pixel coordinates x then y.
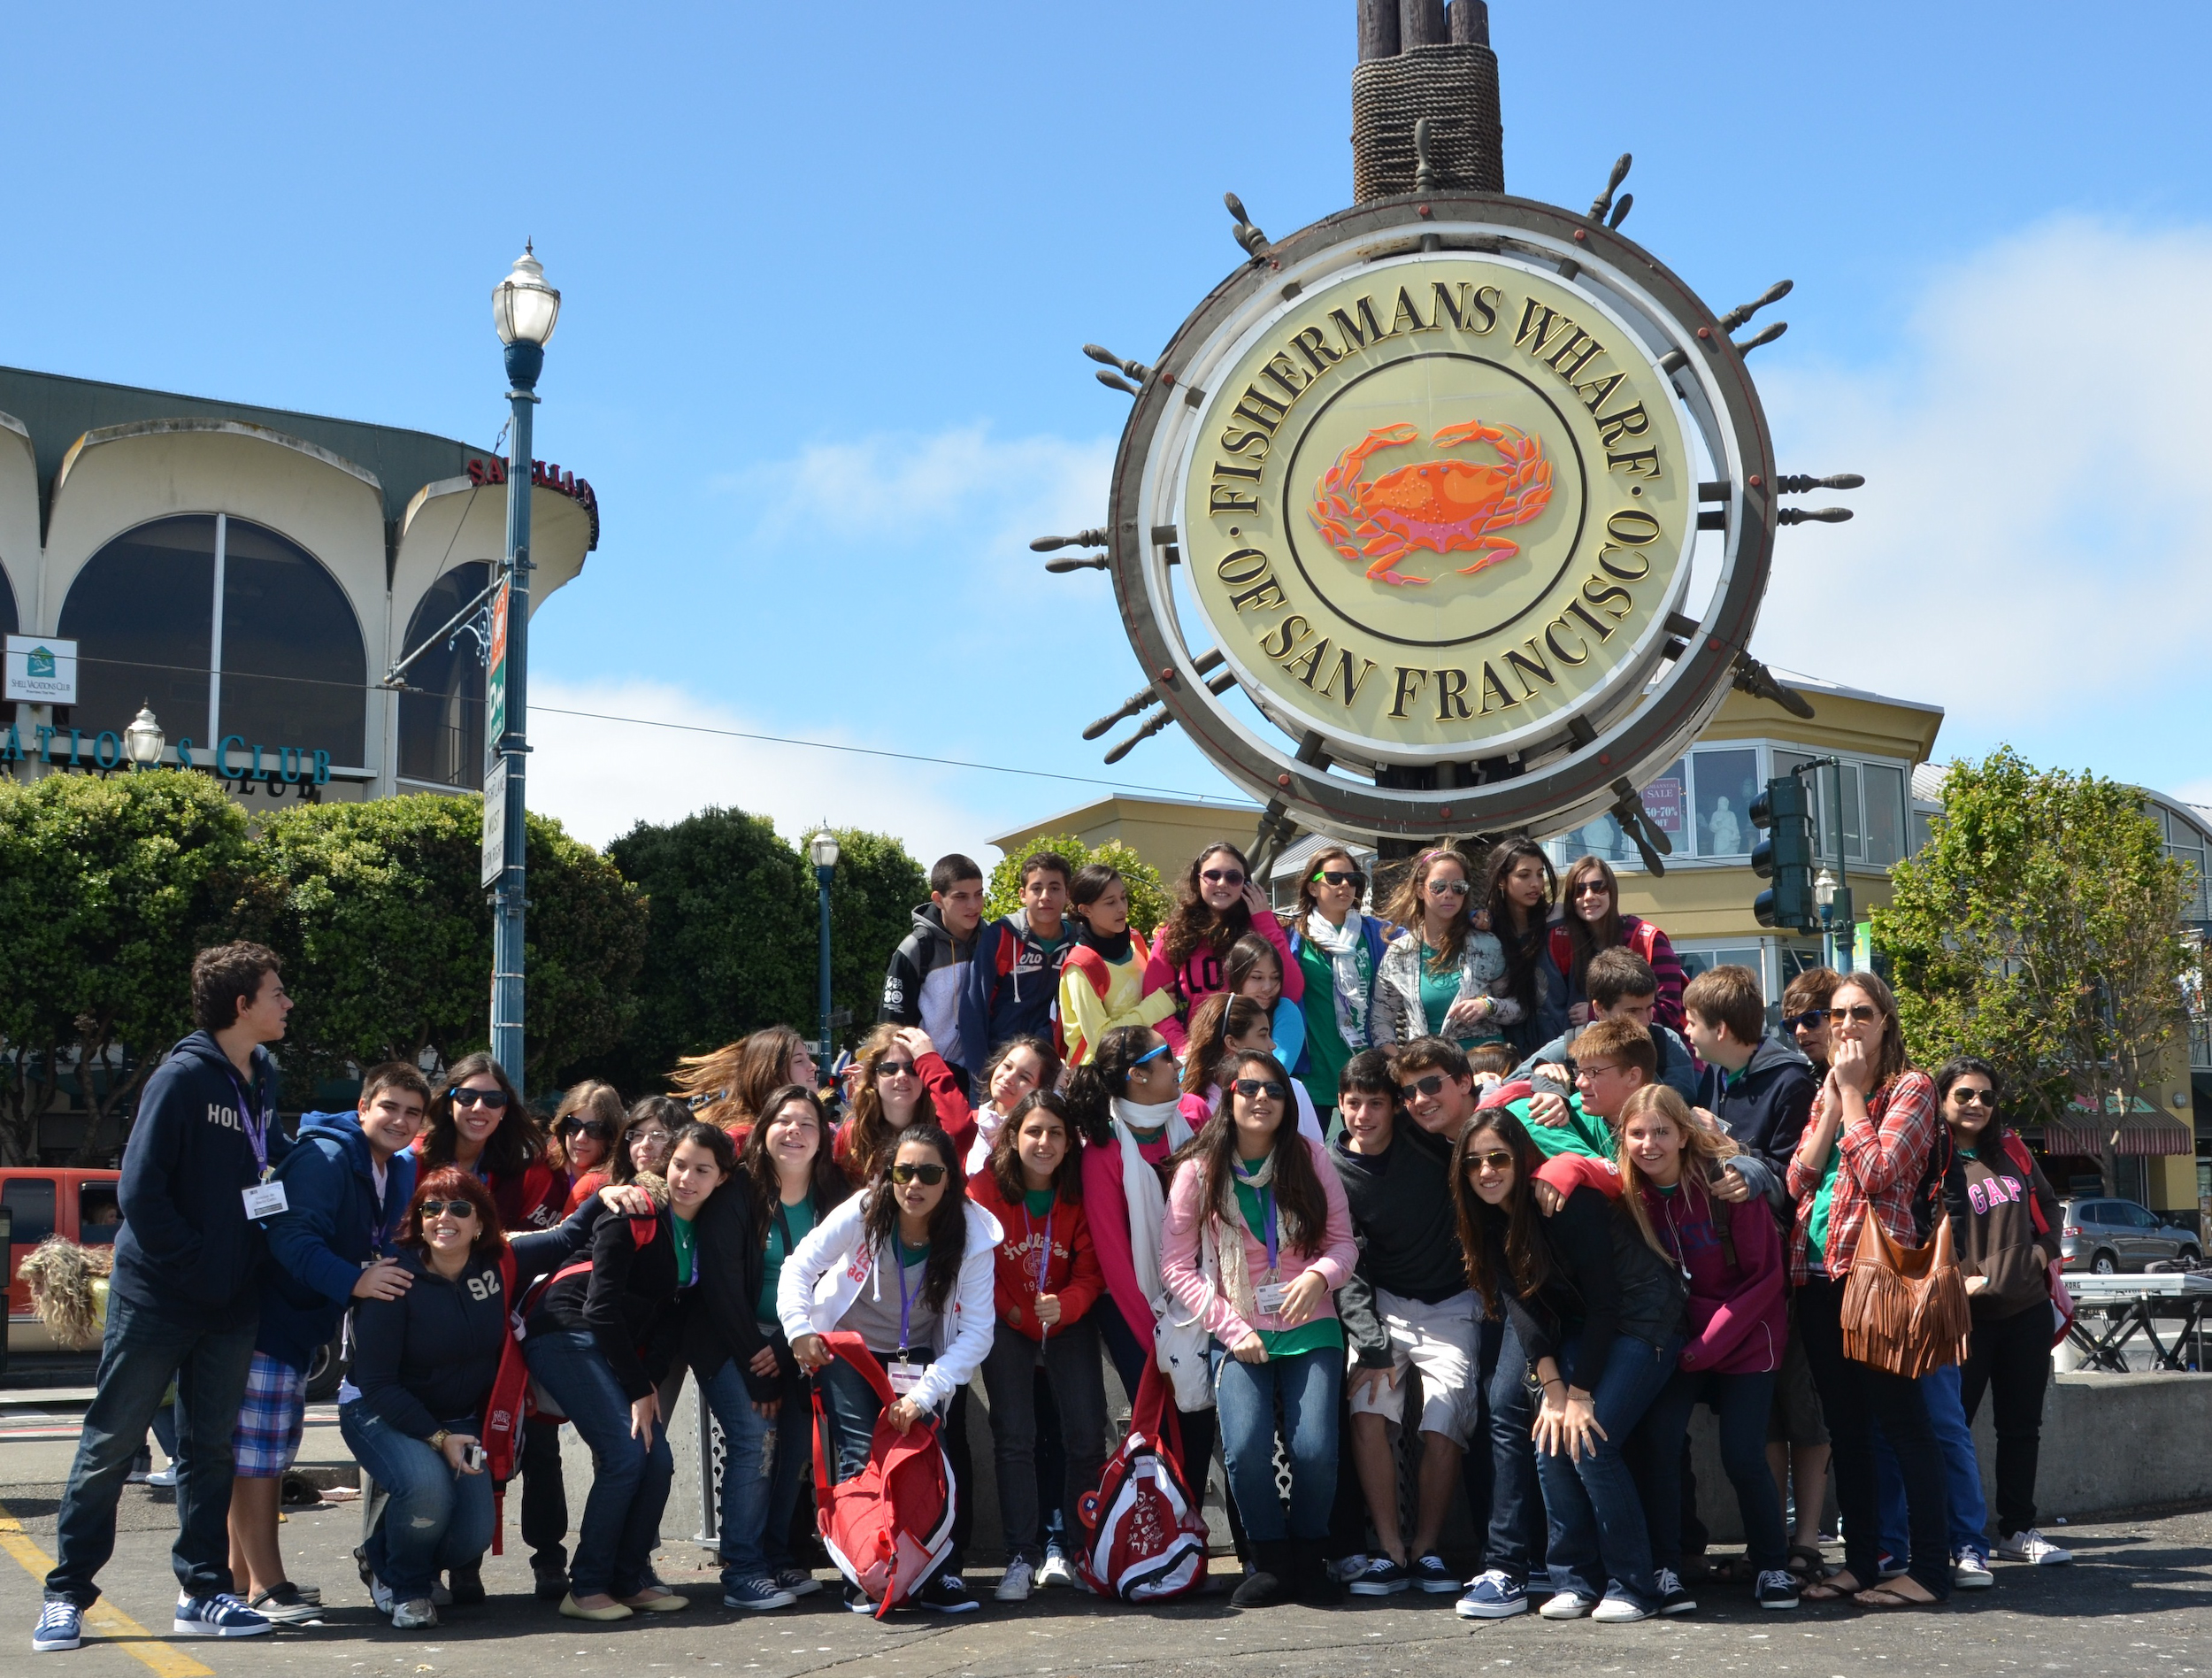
{"type": "Point", "coordinates": [1339, 951]}
{"type": "Point", "coordinates": [1441, 976]}
{"type": "Point", "coordinates": [1590, 920]}
{"type": "Point", "coordinates": [1256, 1241]}
{"type": "Point", "coordinates": [1217, 902]}
{"type": "Point", "coordinates": [1518, 889]}
{"type": "Point", "coordinates": [727, 1086]}
{"type": "Point", "coordinates": [1222, 1027]}
{"type": "Point", "coordinates": [585, 1126]}
{"type": "Point", "coordinates": [899, 1080]}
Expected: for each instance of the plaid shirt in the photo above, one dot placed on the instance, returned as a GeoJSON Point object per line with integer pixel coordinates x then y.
{"type": "Point", "coordinates": [1883, 1159]}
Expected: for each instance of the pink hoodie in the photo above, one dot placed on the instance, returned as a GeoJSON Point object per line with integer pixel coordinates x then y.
{"type": "Point", "coordinates": [1181, 1270]}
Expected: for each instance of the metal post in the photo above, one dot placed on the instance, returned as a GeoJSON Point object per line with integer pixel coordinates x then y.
{"type": "Point", "coordinates": [822, 882]}
{"type": "Point", "coordinates": [525, 360]}
{"type": "Point", "coordinates": [1842, 942]}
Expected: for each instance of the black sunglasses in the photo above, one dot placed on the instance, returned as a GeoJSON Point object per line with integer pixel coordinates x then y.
{"type": "Point", "coordinates": [1865, 1013]}
{"type": "Point", "coordinates": [929, 1176]}
{"type": "Point", "coordinates": [597, 1129]}
{"type": "Point", "coordinates": [1806, 1020]}
{"type": "Point", "coordinates": [1339, 877]}
{"type": "Point", "coordinates": [1591, 889]}
{"type": "Point", "coordinates": [444, 1208]}
{"type": "Point", "coordinates": [1249, 1086]}
{"type": "Point", "coordinates": [895, 1068]}
{"type": "Point", "coordinates": [1976, 1098]}
{"type": "Point", "coordinates": [1223, 876]}
{"type": "Point", "coordinates": [493, 1098]}
{"type": "Point", "coordinates": [1427, 1085]}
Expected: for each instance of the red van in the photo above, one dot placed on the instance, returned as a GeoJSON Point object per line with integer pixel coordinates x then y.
{"type": "Point", "coordinates": [78, 1202]}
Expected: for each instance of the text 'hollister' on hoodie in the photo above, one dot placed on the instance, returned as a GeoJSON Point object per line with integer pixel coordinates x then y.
{"type": "Point", "coordinates": [334, 1222]}
{"type": "Point", "coordinates": [924, 986]}
{"type": "Point", "coordinates": [1012, 986]}
{"type": "Point", "coordinates": [186, 1248]}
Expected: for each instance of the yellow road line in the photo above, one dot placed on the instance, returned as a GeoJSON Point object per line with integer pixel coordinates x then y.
{"type": "Point", "coordinates": [104, 1616]}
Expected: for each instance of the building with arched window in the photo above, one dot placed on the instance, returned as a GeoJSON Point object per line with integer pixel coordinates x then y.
{"type": "Point", "coordinates": [250, 575]}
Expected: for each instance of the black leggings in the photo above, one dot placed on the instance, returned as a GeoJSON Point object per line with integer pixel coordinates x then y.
{"type": "Point", "coordinates": [2011, 1357]}
{"type": "Point", "coordinates": [1852, 1396]}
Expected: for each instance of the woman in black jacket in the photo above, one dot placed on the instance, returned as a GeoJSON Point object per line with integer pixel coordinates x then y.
{"type": "Point", "coordinates": [423, 1366]}
{"type": "Point", "coordinates": [785, 1183]}
{"type": "Point", "coordinates": [1599, 1313]}
{"type": "Point", "coordinates": [601, 1343]}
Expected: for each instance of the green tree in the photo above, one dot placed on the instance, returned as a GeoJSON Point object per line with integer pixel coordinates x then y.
{"type": "Point", "coordinates": [1149, 902]}
{"type": "Point", "coordinates": [2040, 929]}
{"type": "Point", "coordinates": [108, 887]}
{"type": "Point", "coordinates": [387, 936]}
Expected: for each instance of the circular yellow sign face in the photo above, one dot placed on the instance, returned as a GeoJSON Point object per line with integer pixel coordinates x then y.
{"type": "Point", "coordinates": [1436, 505]}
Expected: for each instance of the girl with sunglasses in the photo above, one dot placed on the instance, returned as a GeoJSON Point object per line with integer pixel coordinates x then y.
{"type": "Point", "coordinates": [1590, 919]}
{"type": "Point", "coordinates": [1102, 982]}
{"type": "Point", "coordinates": [424, 1362]}
{"type": "Point", "coordinates": [585, 1126]}
{"type": "Point", "coordinates": [1339, 952]}
{"type": "Point", "coordinates": [786, 1183]}
{"type": "Point", "coordinates": [1048, 1280]}
{"type": "Point", "coordinates": [1256, 1241]}
{"type": "Point", "coordinates": [2005, 1218]}
{"type": "Point", "coordinates": [1598, 1314]}
{"type": "Point", "coordinates": [1864, 1154]}
{"type": "Point", "coordinates": [930, 1322]}
{"type": "Point", "coordinates": [1217, 903]}
{"type": "Point", "coordinates": [898, 1079]}
{"type": "Point", "coordinates": [1517, 890]}
{"type": "Point", "coordinates": [1222, 1027]}
{"type": "Point", "coordinates": [1441, 977]}
{"type": "Point", "coordinates": [1124, 1100]}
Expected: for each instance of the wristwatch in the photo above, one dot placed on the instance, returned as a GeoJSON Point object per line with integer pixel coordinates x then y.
{"type": "Point", "coordinates": [438, 1439]}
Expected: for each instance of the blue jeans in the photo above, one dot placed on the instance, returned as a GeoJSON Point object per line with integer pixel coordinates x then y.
{"type": "Point", "coordinates": [1598, 1542]}
{"type": "Point", "coordinates": [1961, 1470]}
{"type": "Point", "coordinates": [436, 1518]}
{"type": "Point", "coordinates": [763, 1457]}
{"type": "Point", "coordinates": [629, 1482]}
{"type": "Point", "coordinates": [1742, 1403]}
{"type": "Point", "coordinates": [1308, 1384]}
{"type": "Point", "coordinates": [1516, 1532]}
{"type": "Point", "coordinates": [141, 1354]}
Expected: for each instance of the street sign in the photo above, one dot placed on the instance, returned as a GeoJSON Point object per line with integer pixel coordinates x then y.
{"type": "Point", "coordinates": [495, 680]}
{"type": "Point", "coordinates": [42, 670]}
{"type": "Point", "coordinates": [494, 823]}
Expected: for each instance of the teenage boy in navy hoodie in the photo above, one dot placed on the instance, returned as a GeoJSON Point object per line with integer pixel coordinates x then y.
{"type": "Point", "coordinates": [347, 1182]}
{"type": "Point", "coordinates": [1013, 985]}
{"type": "Point", "coordinates": [185, 1301]}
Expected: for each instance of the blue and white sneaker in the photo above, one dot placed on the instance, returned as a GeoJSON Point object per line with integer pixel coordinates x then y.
{"type": "Point", "coordinates": [1381, 1577]}
{"type": "Point", "coordinates": [222, 1615]}
{"type": "Point", "coordinates": [1496, 1595]}
{"type": "Point", "coordinates": [60, 1625]}
{"type": "Point", "coordinates": [1430, 1574]}
{"type": "Point", "coordinates": [798, 1582]}
{"type": "Point", "coordinates": [757, 1594]}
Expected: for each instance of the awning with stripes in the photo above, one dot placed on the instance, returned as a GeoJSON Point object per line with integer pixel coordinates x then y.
{"type": "Point", "coordinates": [2140, 1133]}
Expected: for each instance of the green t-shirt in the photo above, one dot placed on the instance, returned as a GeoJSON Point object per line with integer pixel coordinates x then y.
{"type": "Point", "coordinates": [1583, 1133]}
{"type": "Point", "coordinates": [1439, 991]}
{"type": "Point", "coordinates": [1037, 1202]}
{"type": "Point", "coordinates": [1308, 1336]}
{"type": "Point", "coordinates": [686, 1241]}
{"type": "Point", "coordinates": [1326, 1052]}
{"type": "Point", "coordinates": [799, 1220]}
{"type": "Point", "coordinates": [1824, 1198]}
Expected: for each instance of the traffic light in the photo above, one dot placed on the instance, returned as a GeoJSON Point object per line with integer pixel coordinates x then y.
{"type": "Point", "coordinates": [1784, 856]}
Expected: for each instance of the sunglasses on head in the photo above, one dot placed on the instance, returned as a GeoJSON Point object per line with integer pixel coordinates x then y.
{"type": "Point", "coordinates": [929, 1176]}
{"type": "Point", "coordinates": [1249, 1086]}
{"type": "Point", "coordinates": [1449, 888]}
{"type": "Point", "coordinates": [1976, 1098]}
{"type": "Point", "coordinates": [493, 1098]}
{"type": "Point", "coordinates": [1223, 876]}
{"type": "Point", "coordinates": [1864, 1012]}
{"type": "Point", "coordinates": [597, 1129]}
{"type": "Point", "coordinates": [1491, 1160]}
{"type": "Point", "coordinates": [1428, 1086]}
{"type": "Point", "coordinates": [1149, 1054]}
{"type": "Point", "coordinates": [1339, 877]}
{"type": "Point", "coordinates": [448, 1209]}
{"type": "Point", "coordinates": [895, 1068]}
{"type": "Point", "coordinates": [1806, 1020]}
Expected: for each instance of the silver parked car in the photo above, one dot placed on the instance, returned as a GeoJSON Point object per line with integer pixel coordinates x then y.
{"type": "Point", "coordinates": [2109, 1237]}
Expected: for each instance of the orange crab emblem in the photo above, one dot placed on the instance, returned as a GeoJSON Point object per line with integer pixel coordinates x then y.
{"type": "Point", "coordinates": [1445, 505]}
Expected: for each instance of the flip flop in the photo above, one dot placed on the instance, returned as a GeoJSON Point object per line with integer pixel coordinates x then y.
{"type": "Point", "coordinates": [1823, 1591]}
{"type": "Point", "coordinates": [1815, 1565]}
{"type": "Point", "coordinates": [1883, 1597]}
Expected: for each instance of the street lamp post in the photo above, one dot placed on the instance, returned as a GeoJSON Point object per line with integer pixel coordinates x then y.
{"type": "Point", "coordinates": [823, 848]}
{"type": "Point", "coordinates": [524, 312]}
{"type": "Point", "coordinates": [1824, 894]}
{"type": "Point", "coordinates": [143, 741]}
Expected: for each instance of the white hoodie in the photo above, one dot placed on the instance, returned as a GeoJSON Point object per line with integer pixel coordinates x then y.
{"type": "Point", "coordinates": [822, 1279]}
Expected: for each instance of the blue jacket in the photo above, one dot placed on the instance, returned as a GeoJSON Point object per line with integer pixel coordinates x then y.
{"type": "Point", "coordinates": [333, 1224]}
{"type": "Point", "coordinates": [186, 1249]}
{"type": "Point", "coordinates": [1012, 989]}
{"type": "Point", "coordinates": [1765, 1106]}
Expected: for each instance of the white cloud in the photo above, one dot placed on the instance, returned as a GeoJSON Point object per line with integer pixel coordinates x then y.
{"type": "Point", "coordinates": [2031, 549]}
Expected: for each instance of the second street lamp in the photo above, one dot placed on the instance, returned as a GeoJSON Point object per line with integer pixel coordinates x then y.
{"type": "Point", "coordinates": [524, 312]}
{"type": "Point", "coordinates": [823, 847]}
{"type": "Point", "coordinates": [143, 741]}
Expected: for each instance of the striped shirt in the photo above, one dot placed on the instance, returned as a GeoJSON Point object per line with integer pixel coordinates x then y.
{"type": "Point", "coordinates": [1882, 1160]}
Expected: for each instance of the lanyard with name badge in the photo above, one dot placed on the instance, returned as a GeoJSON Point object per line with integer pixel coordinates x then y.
{"type": "Point", "coordinates": [904, 1376]}
{"type": "Point", "coordinates": [1268, 1295]}
{"type": "Point", "coordinates": [265, 1199]}
{"type": "Point", "coordinates": [1044, 1258]}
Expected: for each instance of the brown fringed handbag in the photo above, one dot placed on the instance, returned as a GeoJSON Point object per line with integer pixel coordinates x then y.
{"type": "Point", "coordinates": [1904, 1308]}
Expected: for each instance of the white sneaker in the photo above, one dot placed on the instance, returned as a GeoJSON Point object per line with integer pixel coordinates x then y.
{"type": "Point", "coordinates": [1058, 1573]}
{"type": "Point", "coordinates": [1618, 1611]}
{"type": "Point", "coordinates": [1566, 1605]}
{"type": "Point", "coordinates": [2032, 1548]}
{"type": "Point", "coordinates": [419, 1615]}
{"type": "Point", "coordinates": [1970, 1571]}
{"type": "Point", "coordinates": [164, 1479]}
{"type": "Point", "coordinates": [380, 1594]}
{"type": "Point", "coordinates": [1347, 1568]}
{"type": "Point", "coordinates": [1020, 1574]}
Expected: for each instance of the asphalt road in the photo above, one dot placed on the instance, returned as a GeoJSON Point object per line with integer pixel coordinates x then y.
{"type": "Point", "coordinates": [2137, 1601]}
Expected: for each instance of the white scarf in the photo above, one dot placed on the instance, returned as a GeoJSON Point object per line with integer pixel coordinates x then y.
{"type": "Point", "coordinates": [988, 1122]}
{"type": "Point", "coordinates": [1342, 945]}
{"type": "Point", "coordinates": [1140, 1183]}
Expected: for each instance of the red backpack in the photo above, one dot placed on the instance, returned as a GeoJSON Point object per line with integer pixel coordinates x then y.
{"type": "Point", "coordinates": [508, 1406]}
{"type": "Point", "coordinates": [1148, 1538]}
{"type": "Point", "coordinates": [889, 1528]}
{"type": "Point", "coordinates": [2061, 1297]}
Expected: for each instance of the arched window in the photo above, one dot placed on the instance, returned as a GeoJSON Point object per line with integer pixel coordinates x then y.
{"type": "Point", "coordinates": [441, 715]}
{"type": "Point", "coordinates": [293, 669]}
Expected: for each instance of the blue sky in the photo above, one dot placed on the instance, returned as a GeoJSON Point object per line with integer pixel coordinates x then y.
{"type": "Point", "coordinates": [828, 270]}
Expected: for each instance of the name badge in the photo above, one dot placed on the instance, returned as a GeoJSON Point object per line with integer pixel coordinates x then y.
{"type": "Point", "coordinates": [264, 1200]}
{"type": "Point", "coordinates": [1268, 1295]}
{"type": "Point", "coordinates": [904, 1378]}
